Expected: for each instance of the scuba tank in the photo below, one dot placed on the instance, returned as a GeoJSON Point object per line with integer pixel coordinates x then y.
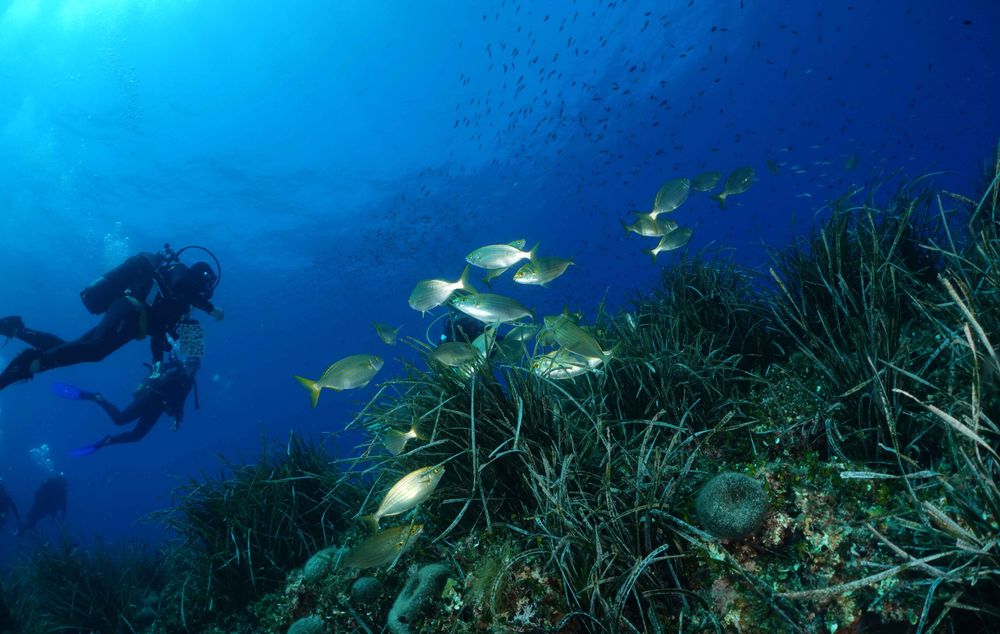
{"type": "Point", "coordinates": [136, 275]}
{"type": "Point", "coordinates": [133, 276]}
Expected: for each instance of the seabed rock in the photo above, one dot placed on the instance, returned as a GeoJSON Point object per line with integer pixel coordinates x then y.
{"type": "Point", "coordinates": [320, 564]}
{"type": "Point", "coordinates": [365, 590]}
{"type": "Point", "coordinates": [423, 587]}
{"type": "Point", "coordinates": [311, 624]}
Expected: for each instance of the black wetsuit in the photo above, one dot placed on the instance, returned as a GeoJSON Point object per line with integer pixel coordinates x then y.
{"type": "Point", "coordinates": [7, 506]}
{"type": "Point", "coordinates": [120, 324]}
{"type": "Point", "coordinates": [50, 499]}
{"type": "Point", "coordinates": [161, 392]}
{"type": "Point", "coordinates": [461, 327]}
{"type": "Point", "coordinates": [127, 318]}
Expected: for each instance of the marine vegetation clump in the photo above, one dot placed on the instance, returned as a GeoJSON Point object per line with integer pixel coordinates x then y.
{"type": "Point", "coordinates": [241, 533]}
{"type": "Point", "coordinates": [475, 423]}
{"type": "Point", "coordinates": [591, 471]}
{"type": "Point", "coordinates": [955, 562]}
{"type": "Point", "coordinates": [731, 505]}
{"type": "Point", "coordinates": [848, 299]}
{"type": "Point", "coordinates": [687, 348]}
{"type": "Point", "coordinates": [861, 393]}
{"type": "Point", "coordinates": [67, 587]}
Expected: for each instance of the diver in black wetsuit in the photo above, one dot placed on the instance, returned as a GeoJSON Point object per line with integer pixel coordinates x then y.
{"type": "Point", "coordinates": [460, 327]}
{"type": "Point", "coordinates": [121, 295]}
{"type": "Point", "coordinates": [163, 391]}
{"type": "Point", "coordinates": [7, 506]}
{"type": "Point", "coordinates": [50, 500]}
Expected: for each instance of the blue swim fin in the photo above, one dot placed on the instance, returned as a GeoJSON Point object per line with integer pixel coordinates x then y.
{"type": "Point", "coordinates": [86, 450]}
{"type": "Point", "coordinates": [66, 390]}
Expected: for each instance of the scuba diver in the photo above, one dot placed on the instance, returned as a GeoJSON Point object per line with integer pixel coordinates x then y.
{"type": "Point", "coordinates": [163, 391]}
{"type": "Point", "coordinates": [7, 506]}
{"type": "Point", "coordinates": [120, 295]}
{"type": "Point", "coordinates": [50, 500]}
{"type": "Point", "coordinates": [458, 326]}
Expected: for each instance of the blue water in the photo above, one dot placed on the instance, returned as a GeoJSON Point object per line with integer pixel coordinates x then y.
{"type": "Point", "coordinates": [332, 154]}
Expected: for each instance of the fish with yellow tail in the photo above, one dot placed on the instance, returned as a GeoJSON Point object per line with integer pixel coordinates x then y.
{"type": "Point", "coordinates": [455, 354]}
{"type": "Point", "coordinates": [671, 241]}
{"type": "Point", "coordinates": [395, 440]}
{"type": "Point", "coordinates": [386, 333]}
{"type": "Point", "coordinates": [352, 372]}
{"type": "Point", "coordinates": [575, 339]}
{"type": "Point", "coordinates": [706, 181]}
{"type": "Point", "coordinates": [542, 270]}
{"type": "Point", "coordinates": [671, 196]}
{"type": "Point", "coordinates": [649, 226]}
{"type": "Point", "coordinates": [428, 294]}
{"type": "Point", "coordinates": [561, 364]}
{"type": "Point", "coordinates": [490, 308]}
{"type": "Point", "coordinates": [383, 547]}
{"type": "Point", "coordinates": [500, 256]}
{"type": "Point", "coordinates": [738, 182]}
{"type": "Point", "coordinates": [411, 490]}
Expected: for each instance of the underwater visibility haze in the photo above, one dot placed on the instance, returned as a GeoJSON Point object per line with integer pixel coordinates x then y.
{"type": "Point", "coordinates": [585, 192]}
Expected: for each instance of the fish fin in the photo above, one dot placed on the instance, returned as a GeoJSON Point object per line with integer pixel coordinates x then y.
{"type": "Point", "coordinates": [612, 353]}
{"type": "Point", "coordinates": [652, 253]}
{"type": "Point", "coordinates": [310, 385]}
{"type": "Point", "coordinates": [533, 253]}
{"type": "Point", "coordinates": [721, 198]}
{"type": "Point", "coordinates": [371, 522]}
{"type": "Point", "coordinates": [395, 441]}
{"type": "Point", "coordinates": [625, 227]}
{"type": "Point", "coordinates": [464, 280]}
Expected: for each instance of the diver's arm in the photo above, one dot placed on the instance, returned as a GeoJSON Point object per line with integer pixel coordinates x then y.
{"type": "Point", "coordinates": [175, 404]}
{"type": "Point", "coordinates": [159, 346]}
{"type": "Point", "coordinates": [203, 304]}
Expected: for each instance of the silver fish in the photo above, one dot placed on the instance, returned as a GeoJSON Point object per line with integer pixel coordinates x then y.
{"type": "Point", "coordinates": [383, 547]}
{"type": "Point", "coordinates": [672, 195]}
{"type": "Point", "coordinates": [738, 182]}
{"type": "Point", "coordinates": [490, 308]}
{"type": "Point", "coordinates": [428, 294]}
{"type": "Point", "coordinates": [562, 364]}
{"type": "Point", "coordinates": [649, 225]}
{"type": "Point", "coordinates": [542, 270]}
{"type": "Point", "coordinates": [521, 332]}
{"type": "Point", "coordinates": [395, 440]}
{"type": "Point", "coordinates": [349, 373]}
{"type": "Point", "coordinates": [386, 333]}
{"type": "Point", "coordinates": [456, 353]}
{"type": "Point", "coordinates": [575, 339]}
{"type": "Point", "coordinates": [411, 490]}
{"type": "Point", "coordinates": [673, 240]}
{"type": "Point", "coordinates": [706, 181]}
{"type": "Point", "coordinates": [499, 256]}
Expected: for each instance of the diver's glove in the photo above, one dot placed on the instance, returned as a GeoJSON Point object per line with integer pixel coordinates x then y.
{"type": "Point", "coordinates": [217, 314]}
{"type": "Point", "coordinates": [176, 425]}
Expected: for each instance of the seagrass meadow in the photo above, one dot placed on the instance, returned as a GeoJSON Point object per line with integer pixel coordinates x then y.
{"type": "Point", "coordinates": [812, 447]}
